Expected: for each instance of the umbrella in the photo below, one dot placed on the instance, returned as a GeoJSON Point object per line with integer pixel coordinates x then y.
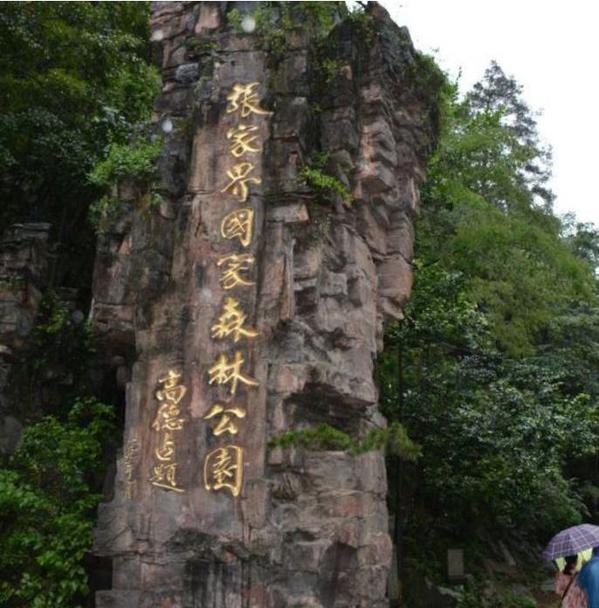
{"type": "Point", "coordinates": [572, 540]}
{"type": "Point", "coordinates": [583, 558]}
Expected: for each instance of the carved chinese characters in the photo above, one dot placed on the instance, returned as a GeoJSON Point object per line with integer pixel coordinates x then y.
{"type": "Point", "coordinates": [226, 371]}
{"type": "Point", "coordinates": [231, 322]}
{"type": "Point", "coordinates": [244, 100]}
{"type": "Point", "coordinates": [167, 423]}
{"type": "Point", "coordinates": [131, 454]}
{"type": "Point", "coordinates": [229, 375]}
{"type": "Point", "coordinates": [238, 225]}
{"type": "Point", "coordinates": [234, 270]}
{"type": "Point", "coordinates": [223, 466]}
{"type": "Point", "coordinates": [240, 178]}
{"type": "Point", "coordinates": [242, 140]}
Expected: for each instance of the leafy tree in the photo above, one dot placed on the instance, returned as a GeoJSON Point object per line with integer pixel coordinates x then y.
{"type": "Point", "coordinates": [493, 370]}
{"type": "Point", "coordinates": [482, 217]}
{"type": "Point", "coordinates": [74, 78]}
{"type": "Point", "coordinates": [499, 94]}
{"type": "Point", "coordinates": [47, 508]}
{"type": "Point", "coordinates": [75, 83]}
{"type": "Point", "coordinates": [583, 239]}
{"type": "Point", "coordinates": [499, 435]}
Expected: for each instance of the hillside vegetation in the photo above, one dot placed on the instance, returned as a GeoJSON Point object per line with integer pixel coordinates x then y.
{"type": "Point", "coordinates": [493, 373]}
{"type": "Point", "coordinates": [494, 370]}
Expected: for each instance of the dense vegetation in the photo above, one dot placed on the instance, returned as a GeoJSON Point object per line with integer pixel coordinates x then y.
{"type": "Point", "coordinates": [493, 372]}
{"type": "Point", "coordinates": [494, 369]}
{"type": "Point", "coordinates": [47, 502]}
{"type": "Point", "coordinates": [74, 79]}
{"type": "Point", "coordinates": [75, 83]}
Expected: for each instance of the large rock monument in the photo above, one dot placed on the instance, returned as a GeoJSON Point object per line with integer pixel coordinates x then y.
{"type": "Point", "coordinates": [250, 302]}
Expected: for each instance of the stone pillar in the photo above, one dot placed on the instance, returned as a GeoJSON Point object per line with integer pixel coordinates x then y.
{"type": "Point", "coordinates": [257, 308]}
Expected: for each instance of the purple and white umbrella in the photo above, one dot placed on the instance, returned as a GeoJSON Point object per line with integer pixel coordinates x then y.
{"type": "Point", "coordinates": [572, 541]}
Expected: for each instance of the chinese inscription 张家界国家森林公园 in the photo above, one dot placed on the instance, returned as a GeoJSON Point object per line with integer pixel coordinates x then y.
{"type": "Point", "coordinates": [223, 466]}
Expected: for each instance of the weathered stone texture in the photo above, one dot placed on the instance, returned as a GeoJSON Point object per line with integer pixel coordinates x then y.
{"type": "Point", "coordinates": [310, 528]}
{"type": "Point", "coordinates": [24, 262]}
{"type": "Point", "coordinates": [32, 269]}
{"type": "Point", "coordinates": [23, 274]}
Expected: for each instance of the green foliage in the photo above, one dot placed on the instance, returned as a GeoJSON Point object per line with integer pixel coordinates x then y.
{"type": "Point", "coordinates": [326, 437]}
{"type": "Point", "coordinates": [503, 427]}
{"type": "Point", "coordinates": [325, 186]}
{"type": "Point", "coordinates": [475, 597]}
{"type": "Point", "coordinates": [104, 212]}
{"type": "Point", "coordinates": [12, 283]}
{"type": "Point", "coordinates": [472, 598]}
{"type": "Point", "coordinates": [133, 162]}
{"type": "Point", "coordinates": [432, 83]}
{"type": "Point", "coordinates": [484, 217]}
{"type": "Point", "coordinates": [56, 337]}
{"type": "Point", "coordinates": [322, 437]}
{"type": "Point", "coordinates": [493, 370]}
{"type": "Point", "coordinates": [276, 21]}
{"type": "Point", "coordinates": [582, 238]}
{"type": "Point", "coordinates": [234, 18]}
{"type": "Point", "coordinates": [364, 24]}
{"type": "Point", "coordinates": [518, 600]}
{"type": "Point", "coordinates": [47, 507]}
{"type": "Point", "coordinates": [330, 69]}
{"type": "Point", "coordinates": [393, 439]}
{"type": "Point", "coordinates": [74, 78]}
{"type": "Point", "coordinates": [201, 46]}
{"type": "Point", "coordinates": [54, 364]}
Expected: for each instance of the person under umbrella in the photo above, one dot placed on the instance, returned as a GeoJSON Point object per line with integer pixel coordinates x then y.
{"type": "Point", "coordinates": [566, 585]}
{"type": "Point", "coordinates": [588, 579]}
{"type": "Point", "coordinates": [570, 542]}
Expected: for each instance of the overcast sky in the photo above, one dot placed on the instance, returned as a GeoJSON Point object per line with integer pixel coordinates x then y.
{"type": "Point", "coordinates": [551, 48]}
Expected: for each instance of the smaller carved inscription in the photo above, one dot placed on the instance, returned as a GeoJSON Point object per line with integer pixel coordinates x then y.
{"type": "Point", "coordinates": [131, 453]}
{"type": "Point", "coordinates": [167, 422]}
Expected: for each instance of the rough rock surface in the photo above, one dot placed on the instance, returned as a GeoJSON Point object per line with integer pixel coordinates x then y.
{"type": "Point", "coordinates": [24, 262]}
{"type": "Point", "coordinates": [308, 529]}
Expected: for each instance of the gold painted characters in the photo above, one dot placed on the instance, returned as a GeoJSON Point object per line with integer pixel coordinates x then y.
{"type": "Point", "coordinates": [226, 371]}
{"type": "Point", "coordinates": [223, 469]}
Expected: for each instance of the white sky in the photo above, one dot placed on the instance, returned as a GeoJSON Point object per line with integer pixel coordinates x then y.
{"type": "Point", "coordinates": [551, 48]}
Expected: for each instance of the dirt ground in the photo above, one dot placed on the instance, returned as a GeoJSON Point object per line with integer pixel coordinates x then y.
{"type": "Point", "coordinates": [546, 600]}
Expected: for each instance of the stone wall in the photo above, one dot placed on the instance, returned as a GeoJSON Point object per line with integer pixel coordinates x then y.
{"type": "Point", "coordinates": [316, 282]}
